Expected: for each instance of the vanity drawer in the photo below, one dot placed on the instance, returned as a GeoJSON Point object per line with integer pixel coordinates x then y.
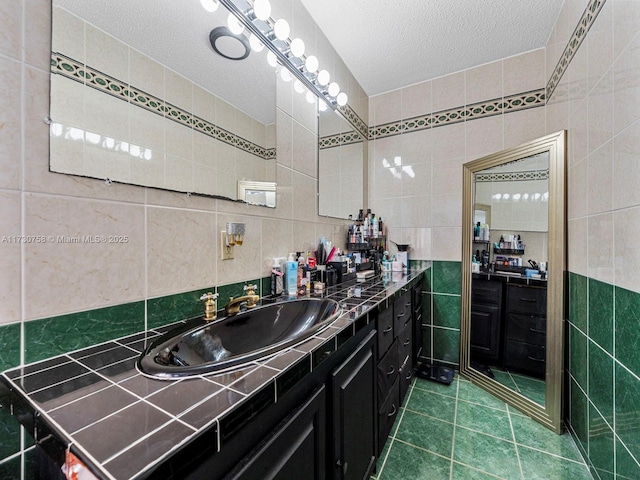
{"type": "Point", "coordinates": [526, 299]}
{"type": "Point", "coordinates": [387, 414]}
{"type": "Point", "coordinates": [405, 376]}
{"type": "Point", "coordinates": [387, 371]}
{"type": "Point", "coordinates": [525, 358]}
{"type": "Point", "coordinates": [486, 292]}
{"type": "Point", "coordinates": [527, 328]}
{"type": "Point", "coordinates": [402, 311]}
{"type": "Point", "coordinates": [385, 330]}
{"type": "Point", "coordinates": [405, 343]}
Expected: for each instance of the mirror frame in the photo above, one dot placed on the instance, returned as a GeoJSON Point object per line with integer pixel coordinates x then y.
{"type": "Point", "coordinates": [549, 415]}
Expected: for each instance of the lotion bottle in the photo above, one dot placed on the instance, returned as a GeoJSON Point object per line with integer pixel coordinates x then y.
{"type": "Point", "coordinates": [292, 275]}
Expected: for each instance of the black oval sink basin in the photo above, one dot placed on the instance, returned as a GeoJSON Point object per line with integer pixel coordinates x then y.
{"type": "Point", "coordinates": [232, 341]}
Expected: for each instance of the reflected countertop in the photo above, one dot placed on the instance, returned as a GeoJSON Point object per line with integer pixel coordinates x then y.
{"type": "Point", "coordinates": [123, 424]}
{"type": "Point", "coordinates": [510, 278]}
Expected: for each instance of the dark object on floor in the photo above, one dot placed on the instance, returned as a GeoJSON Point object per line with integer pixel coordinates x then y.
{"type": "Point", "coordinates": [436, 373]}
{"type": "Point", "coordinates": [482, 368]}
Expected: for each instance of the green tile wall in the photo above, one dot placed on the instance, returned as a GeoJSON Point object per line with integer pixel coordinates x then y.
{"type": "Point", "coordinates": [603, 413]}
{"type": "Point", "coordinates": [441, 313]}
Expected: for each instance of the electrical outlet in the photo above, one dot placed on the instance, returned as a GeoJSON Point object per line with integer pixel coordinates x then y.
{"type": "Point", "coordinates": [226, 250]}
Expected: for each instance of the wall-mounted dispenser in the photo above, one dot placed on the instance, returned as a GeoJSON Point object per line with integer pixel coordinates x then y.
{"type": "Point", "coordinates": [233, 235]}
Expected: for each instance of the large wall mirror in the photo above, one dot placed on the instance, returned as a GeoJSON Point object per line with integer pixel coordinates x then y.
{"type": "Point", "coordinates": [139, 96]}
{"type": "Point", "coordinates": [341, 167]}
{"type": "Point", "coordinates": [513, 267]}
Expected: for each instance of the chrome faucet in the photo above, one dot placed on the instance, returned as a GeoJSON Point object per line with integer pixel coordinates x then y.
{"type": "Point", "coordinates": [249, 299]}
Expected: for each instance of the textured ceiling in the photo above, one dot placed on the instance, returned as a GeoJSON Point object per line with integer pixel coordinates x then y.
{"type": "Point", "coordinates": [389, 44]}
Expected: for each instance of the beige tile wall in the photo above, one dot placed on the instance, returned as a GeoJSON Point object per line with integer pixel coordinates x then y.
{"type": "Point", "coordinates": [172, 239]}
{"type": "Point", "coordinates": [597, 100]}
{"type": "Point", "coordinates": [426, 210]}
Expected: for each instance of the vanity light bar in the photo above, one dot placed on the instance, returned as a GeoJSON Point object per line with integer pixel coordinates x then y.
{"type": "Point", "coordinates": [297, 69]}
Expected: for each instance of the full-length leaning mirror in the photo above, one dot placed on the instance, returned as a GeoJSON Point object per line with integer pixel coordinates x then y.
{"type": "Point", "coordinates": [156, 93]}
{"type": "Point", "coordinates": [513, 264]}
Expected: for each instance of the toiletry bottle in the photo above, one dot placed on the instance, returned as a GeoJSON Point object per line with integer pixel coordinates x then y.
{"type": "Point", "coordinates": [300, 278]}
{"type": "Point", "coordinates": [501, 241]}
{"type": "Point", "coordinates": [276, 278]}
{"type": "Point", "coordinates": [292, 275]}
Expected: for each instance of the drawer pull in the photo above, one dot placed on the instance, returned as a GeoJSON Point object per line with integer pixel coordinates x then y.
{"type": "Point", "coordinates": [400, 315]}
{"type": "Point", "coordinates": [408, 304]}
{"type": "Point", "coordinates": [536, 359]}
{"type": "Point", "coordinates": [392, 371]}
{"type": "Point", "coordinates": [535, 330]}
{"type": "Point", "coordinates": [395, 410]}
{"type": "Point", "coordinates": [388, 329]}
{"type": "Point", "coordinates": [408, 377]}
{"type": "Point", "coordinates": [407, 342]}
{"type": "Point", "coordinates": [530, 300]}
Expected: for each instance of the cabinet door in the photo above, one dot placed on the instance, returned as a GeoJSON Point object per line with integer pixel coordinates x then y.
{"type": "Point", "coordinates": [353, 390]}
{"type": "Point", "coordinates": [385, 330]}
{"type": "Point", "coordinates": [296, 449]}
{"type": "Point", "coordinates": [485, 332]}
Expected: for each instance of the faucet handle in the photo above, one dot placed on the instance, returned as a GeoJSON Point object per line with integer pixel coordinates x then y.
{"type": "Point", "coordinates": [209, 305]}
{"type": "Point", "coordinates": [209, 296]}
{"type": "Point", "coordinates": [250, 289]}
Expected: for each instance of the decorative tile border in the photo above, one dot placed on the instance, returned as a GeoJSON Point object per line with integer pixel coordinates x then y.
{"type": "Point", "coordinates": [355, 121]}
{"type": "Point", "coordinates": [513, 176]}
{"type": "Point", "coordinates": [579, 34]}
{"type": "Point", "coordinates": [340, 139]}
{"type": "Point", "coordinates": [74, 70]}
{"type": "Point", "coordinates": [513, 103]}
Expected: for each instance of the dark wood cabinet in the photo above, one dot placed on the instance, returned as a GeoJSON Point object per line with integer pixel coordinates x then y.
{"type": "Point", "coordinates": [353, 390]}
{"type": "Point", "coordinates": [296, 449]}
{"type": "Point", "coordinates": [526, 329]}
{"type": "Point", "coordinates": [486, 321]}
{"type": "Point", "coordinates": [396, 363]}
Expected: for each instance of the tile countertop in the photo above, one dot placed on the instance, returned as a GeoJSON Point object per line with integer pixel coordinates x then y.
{"type": "Point", "coordinates": [123, 424]}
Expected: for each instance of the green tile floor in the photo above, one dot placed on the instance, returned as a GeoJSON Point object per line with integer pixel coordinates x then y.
{"type": "Point", "coordinates": [460, 432]}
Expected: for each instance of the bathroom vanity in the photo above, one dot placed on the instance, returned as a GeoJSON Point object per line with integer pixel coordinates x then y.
{"type": "Point", "coordinates": [319, 409]}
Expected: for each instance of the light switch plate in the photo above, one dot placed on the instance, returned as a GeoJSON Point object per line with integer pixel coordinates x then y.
{"type": "Point", "coordinates": [226, 250]}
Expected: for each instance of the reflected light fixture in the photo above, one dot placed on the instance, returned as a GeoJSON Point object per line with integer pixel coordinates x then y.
{"type": "Point", "coordinates": [255, 16]}
{"type": "Point", "coordinates": [256, 44]}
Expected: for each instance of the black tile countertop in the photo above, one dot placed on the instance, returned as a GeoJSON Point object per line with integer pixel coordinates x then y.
{"type": "Point", "coordinates": [122, 424]}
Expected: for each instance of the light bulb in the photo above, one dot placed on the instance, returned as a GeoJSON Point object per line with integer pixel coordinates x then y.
{"type": "Point", "coordinates": [310, 97]}
{"type": "Point", "coordinates": [272, 60]}
{"type": "Point", "coordinates": [342, 99]}
{"type": "Point", "coordinates": [209, 5]}
{"type": "Point", "coordinates": [323, 77]}
{"type": "Point", "coordinates": [322, 106]}
{"type": "Point", "coordinates": [285, 75]}
{"type": "Point", "coordinates": [262, 9]}
{"type": "Point", "coordinates": [297, 47]}
{"type": "Point", "coordinates": [255, 43]}
{"type": "Point", "coordinates": [234, 24]}
{"type": "Point", "coordinates": [281, 29]}
{"type": "Point", "coordinates": [298, 86]}
{"type": "Point", "coordinates": [334, 89]}
{"type": "Point", "coordinates": [311, 64]}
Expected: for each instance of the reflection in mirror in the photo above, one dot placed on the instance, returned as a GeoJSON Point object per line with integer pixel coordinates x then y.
{"type": "Point", "coordinates": [340, 167]}
{"type": "Point", "coordinates": [507, 342]}
{"type": "Point", "coordinates": [513, 268]}
{"type": "Point", "coordinates": [139, 96]}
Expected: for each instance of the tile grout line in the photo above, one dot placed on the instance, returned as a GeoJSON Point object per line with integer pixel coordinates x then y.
{"type": "Point", "coordinates": [453, 436]}
{"type": "Point", "coordinates": [515, 441]}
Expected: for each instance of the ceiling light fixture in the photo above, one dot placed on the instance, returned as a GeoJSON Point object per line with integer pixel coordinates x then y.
{"type": "Point", "coordinates": [274, 34]}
